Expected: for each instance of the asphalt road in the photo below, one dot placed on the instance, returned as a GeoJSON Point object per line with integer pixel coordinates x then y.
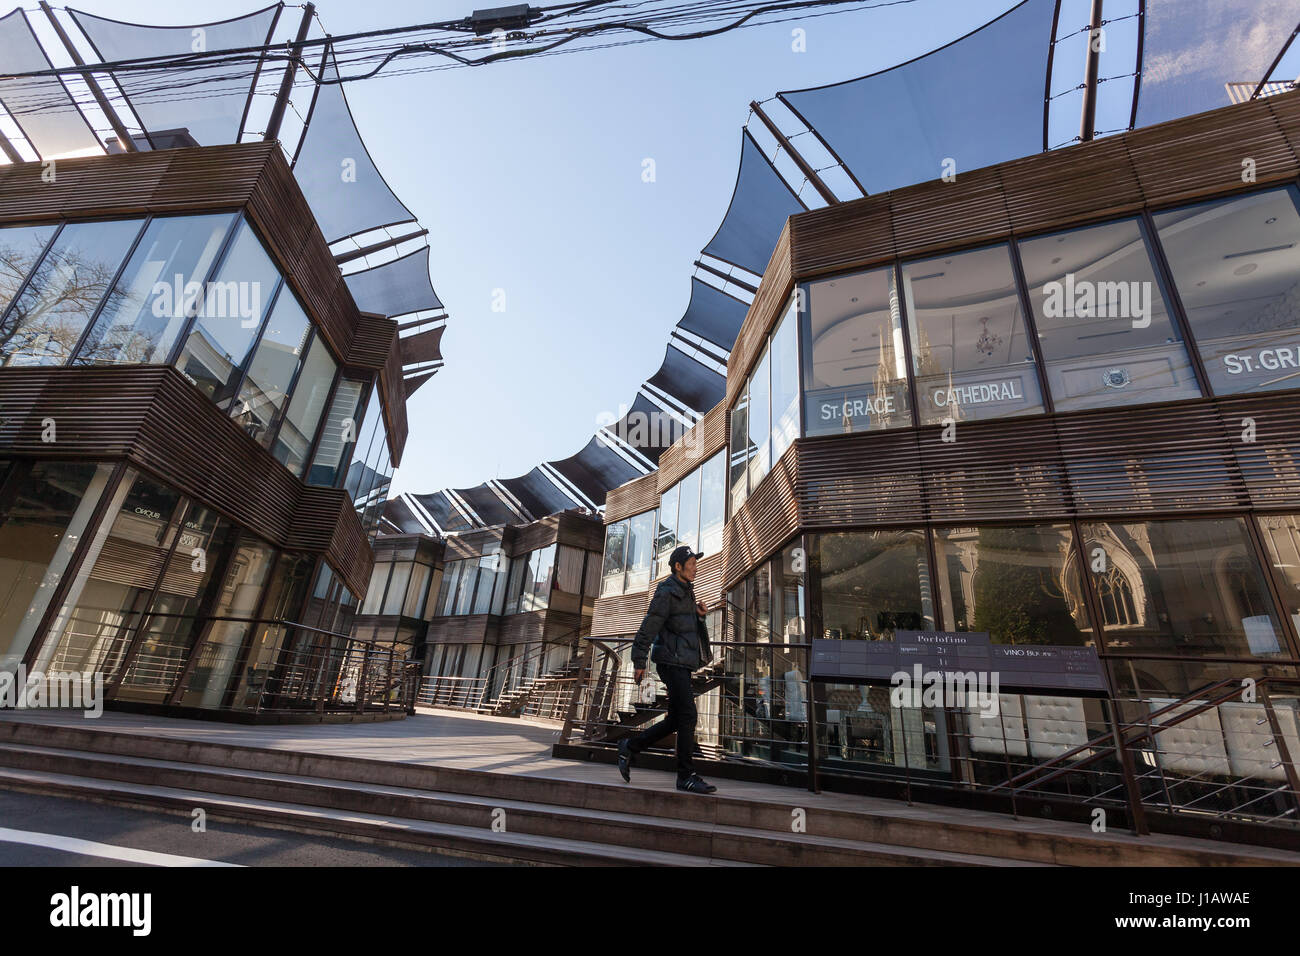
{"type": "Point", "coordinates": [118, 836]}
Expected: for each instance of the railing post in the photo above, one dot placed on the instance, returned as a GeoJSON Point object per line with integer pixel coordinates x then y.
{"type": "Point", "coordinates": [1137, 812]}
{"type": "Point", "coordinates": [361, 682]}
{"type": "Point", "coordinates": [1283, 751]}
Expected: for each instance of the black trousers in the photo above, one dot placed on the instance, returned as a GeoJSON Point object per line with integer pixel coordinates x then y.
{"type": "Point", "coordinates": [681, 718]}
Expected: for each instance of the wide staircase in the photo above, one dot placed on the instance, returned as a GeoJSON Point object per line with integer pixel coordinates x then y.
{"type": "Point", "coordinates": [579, 816]}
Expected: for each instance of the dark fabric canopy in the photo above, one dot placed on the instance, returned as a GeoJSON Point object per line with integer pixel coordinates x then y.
{"type": "Point", "coordinates": [595, 470]}
{"type": "Point", "coordinates": [422, 346]}
{"type": "Point", "coordinates": [399, 287]}
{"type": "Point", "coordinates": [977, 101]}
{"type": "Point", "coordinates": [713, 315]}
{"type": "Point", "coordinates": [41, 106]}
{"type": "Point", "coordinates": [340, 180]}
{"type": "Point", "coordinates": [397, 511]}
{"type": "Point", "coordinates": [442, 511]}
{"type": "Point", "coordinates": [1193, 48]}
{"type": "Point", "coordinates": [488, 505]}
{"type": "Point", "coordinates": [760, 205]}
{"type": "Point", "coordinates": [696, 386]}
{"type": "Point", "coordinates": [647, 428]}
{"type": "Point", "coordinates": [208, 101]}
{"type": "Point", "coordinates": [538, 494]}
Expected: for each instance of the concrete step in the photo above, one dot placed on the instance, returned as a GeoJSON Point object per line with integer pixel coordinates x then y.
{"type": "Point", "coordinates": [638, 832]}
{"type": "Point", "coordinates": [865, 821]}
{"type": "Point", "coordinates": [473, 842]}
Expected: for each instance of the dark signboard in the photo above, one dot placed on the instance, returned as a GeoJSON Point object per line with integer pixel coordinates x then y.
{"type": "Point", "coordinates": [1019, 667]}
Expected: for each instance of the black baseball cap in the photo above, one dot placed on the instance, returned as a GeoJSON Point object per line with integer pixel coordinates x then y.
{"type": "Point", "coordinates": [681, 555]}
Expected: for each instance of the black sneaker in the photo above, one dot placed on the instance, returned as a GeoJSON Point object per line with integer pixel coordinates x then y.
{"type": "Point", "coordinates": [625, 760]}
{"type": "Point", "coordinates": [695, 784]}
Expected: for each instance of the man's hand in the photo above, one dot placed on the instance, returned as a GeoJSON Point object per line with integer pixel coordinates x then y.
{"type": "Point", "coordinates": [701, 609]}
{"type": "Point", "coordinates": [638, 674]}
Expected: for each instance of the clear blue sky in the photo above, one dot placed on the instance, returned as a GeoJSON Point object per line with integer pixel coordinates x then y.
{"type": "Point", "coordinates": [528, 175]}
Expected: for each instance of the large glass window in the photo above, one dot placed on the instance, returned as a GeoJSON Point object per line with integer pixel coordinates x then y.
{"type": "Point", "coordinates": [873, 583]}
{"type": "Point", "coordinates": [111, 594]}
{"type": "Point", "coordinates": [44, 326]}
{"type": "Point", "coordinates": [237, 602]}
{"type": "Point", "coordinates": [294, 437]}
{"type": "Point", "coordinates": [1019, 585]}
{"type": "Point", "coordinates": [339, 435]}
{"type": "Point", "coordinates": [688, 511]}
{"type": "Point", "coordinates": [612, 570]}
{"type": "Point", "coordinates": [1103, 323]}
{"type": "Point", "coordinates": [275, 363]}
{"type": "Point", "coordinates": [20, 248]}
{"type": "Point", "coordinates": [49, 505]}
{"type": "Point", "coordinates": [970, 351]}
{"type": "Point", "coordinates": [226, 328]}
{"type": "Point", "coordinates": [738, 470]}
{"type": "Point", "coordinates": [855, 364]}
{"type": "Point", "coordinates": [667, 539]}
{"type": "Point", "coordinates": [1281, 535]}
{"type": "Point", "coordinates": [541, 574]}
{"type": "Point", "coordinates": [640, 550]}
{"type": "Point", "coordinates": [785, 384]}
{"type": "Point", "coordinates": [1190, 588]}
{"type": "Point", "coordinates": [1236, 264]}
{"type": "Point", "coordinates": [759, 451]}
{"type": "Point", "coordinates": [713, 503]}
{"type": "Point", "coordinates": [490, 576]}
{"type": "Point", "coordinates": [171, 626]}
{"type": "Point", "coordinates": [145, 316]}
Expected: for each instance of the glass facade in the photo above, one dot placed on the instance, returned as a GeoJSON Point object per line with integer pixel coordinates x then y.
{"type": "Point", "coordinates": [1236, 266]}
{"type": "Point", "coordinates": [1096, 314]}
{"type": "Point", "coordinates": [970, 351]}
{"type": "Point", "coordinates": [765, 419]}
{"type": "Point", "coordinates": [200, 292]}
{"type": "Point", "coordinates": [1104, 323]}
{"type": "Point", "coordinates": [169, 601]}
{"type": "Point", "coordinates": [854, 359]}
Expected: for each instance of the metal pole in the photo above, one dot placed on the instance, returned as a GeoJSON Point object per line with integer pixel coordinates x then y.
{"type": "Point", "coordinates": [286, 84]}
{"type": "Point", "coordinates": [1088, 123]}
{"type": "Point", "coordinates": [803, 164]}
{"type": "Point", "coordinates": [101, 100]}
{"type": "Point", "coordinates": [10, 153]}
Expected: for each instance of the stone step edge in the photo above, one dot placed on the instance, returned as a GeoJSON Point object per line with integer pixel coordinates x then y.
{"type": "Point", "coordinates": [475, 843]}
{"type": "Point", "coordinates": [234, 777]}
{"type": "Point", "coordinates": [128, 743]}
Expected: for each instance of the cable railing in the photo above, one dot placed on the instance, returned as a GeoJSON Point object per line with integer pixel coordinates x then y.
{"type": "Point", "coordinates": [296, 668]}
{"type": "Point", "coordinates": [519, 686]}
{"type": "Point", "coordinates": [1226, 752]}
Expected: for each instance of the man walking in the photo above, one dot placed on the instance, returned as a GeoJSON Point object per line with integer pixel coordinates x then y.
{"type": "Point", "coordinates": [675, 624]}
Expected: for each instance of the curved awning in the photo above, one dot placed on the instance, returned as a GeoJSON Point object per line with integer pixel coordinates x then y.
{"type": "Point", "coordinates": [977, 101]}
{"type": "Point", "coordinates": [487, 504]}
{"type": "Point", "coordinates": [713, 315]}
{"type": "Point", "coordinates": [694, 385]}
{"type": "Point", "coordinates": [760, 204]}
{"type": "Point", "coordinates": [345, 189]}
{"type": "Point", "coordinates": [1192, 50]}
{"type": "Point", "coordinates": [647, 428]}
{"type": "Point", "coordinates": [41, 106]}
{"type": "Point", "coordinates": [399, 287]}
{"type": "Point", "coordinates": [596, 469]}
{"type": "Point", "coordinates": [209, 103]}
{"type": "Point", "coordinates": [539, 494]}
